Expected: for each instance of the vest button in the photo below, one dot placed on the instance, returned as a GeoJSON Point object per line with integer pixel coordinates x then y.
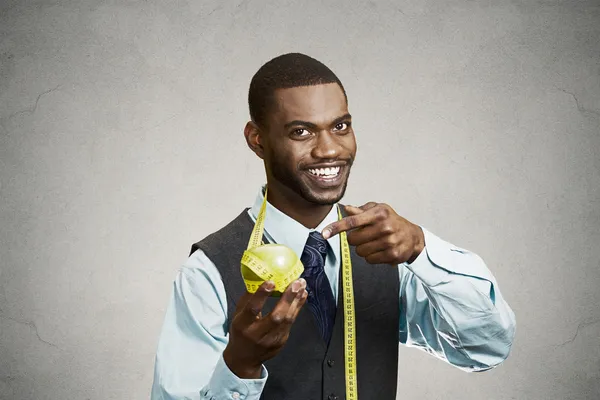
{"type": "Point", "coordinates": [332, 397]}
{"type": "Point", "coordinates": [330, 363]}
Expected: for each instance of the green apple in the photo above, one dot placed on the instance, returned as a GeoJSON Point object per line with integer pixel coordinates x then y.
{"type": "Point", "coordinates": [279, 260]}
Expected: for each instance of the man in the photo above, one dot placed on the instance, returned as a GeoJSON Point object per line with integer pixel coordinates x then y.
{"type": "Point", "coordinates": [410, 287]}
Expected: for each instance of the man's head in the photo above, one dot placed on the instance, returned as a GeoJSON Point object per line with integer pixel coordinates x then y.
{"type": "Point", "coordinates": [301, 128]}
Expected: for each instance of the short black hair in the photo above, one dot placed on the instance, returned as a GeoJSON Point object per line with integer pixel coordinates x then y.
{"type": "Point", "coordinates": [283, 72]}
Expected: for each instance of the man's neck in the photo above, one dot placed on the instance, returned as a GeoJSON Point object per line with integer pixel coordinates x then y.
{"type": "Point", "coordinates": [308, 214]}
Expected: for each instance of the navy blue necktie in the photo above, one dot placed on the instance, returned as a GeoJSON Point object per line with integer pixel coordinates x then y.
{"type": "Point", "coordinates": [320, 297]}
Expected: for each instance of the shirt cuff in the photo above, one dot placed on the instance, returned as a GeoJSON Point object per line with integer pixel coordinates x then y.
{"type": "Point", "coordinates": [439, 258]}
{"type": "Point", "coordinates": [224, 384]}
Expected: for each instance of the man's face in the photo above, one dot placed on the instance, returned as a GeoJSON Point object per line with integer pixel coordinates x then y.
{"type": "Point", "coordinates": [309, 145]}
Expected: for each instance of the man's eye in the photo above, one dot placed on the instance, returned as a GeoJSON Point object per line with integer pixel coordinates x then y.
{"type": "Point", "coordinates": [300, 132]}
{"type": "Point", "coordinates": [341, 126]}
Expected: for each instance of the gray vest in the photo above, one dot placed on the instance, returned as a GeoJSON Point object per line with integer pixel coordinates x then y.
{"type": "Point", "coordinates": [307, 369]}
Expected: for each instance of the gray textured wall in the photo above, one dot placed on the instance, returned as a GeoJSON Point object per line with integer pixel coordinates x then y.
{"type": "Point", "coordinates": [121, 143]}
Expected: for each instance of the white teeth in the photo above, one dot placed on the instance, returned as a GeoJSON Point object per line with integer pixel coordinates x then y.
{"type": "Point", "coordinates": [329, 172]}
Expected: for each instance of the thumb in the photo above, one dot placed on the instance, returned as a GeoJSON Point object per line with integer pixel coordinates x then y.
{"type": "Point", "coordinates": [351, 210]}
{"type": "Point", "coordinates": [368, 206]}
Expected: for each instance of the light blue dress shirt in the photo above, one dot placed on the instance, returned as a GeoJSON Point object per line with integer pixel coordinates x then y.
{"type": "Point", "coordinates": [450, 307]}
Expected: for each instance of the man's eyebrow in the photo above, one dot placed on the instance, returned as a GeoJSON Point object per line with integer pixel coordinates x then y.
{"type": "Point", "coordinates": [341, 119]}
{"type": "Point", "coordinates": [297, 122]}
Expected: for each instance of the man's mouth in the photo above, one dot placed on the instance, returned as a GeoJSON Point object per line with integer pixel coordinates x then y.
{"type": "Point", "coordinates": [327, 177]}
{"type": "Point", "coordinates": [325, 173]}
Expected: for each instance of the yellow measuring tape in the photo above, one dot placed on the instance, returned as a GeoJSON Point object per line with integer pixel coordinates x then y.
{"type": "Point", "coordinates": [262, 262]}
{"type": "Point", "coordinates": [349, 326]}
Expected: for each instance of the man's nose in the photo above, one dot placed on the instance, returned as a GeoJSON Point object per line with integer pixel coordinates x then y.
{"type": "Point", "coordinates": [327, 146]}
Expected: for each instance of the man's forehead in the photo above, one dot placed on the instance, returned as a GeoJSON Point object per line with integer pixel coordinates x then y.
{"type": "Point", "coordinates": [317, 103]}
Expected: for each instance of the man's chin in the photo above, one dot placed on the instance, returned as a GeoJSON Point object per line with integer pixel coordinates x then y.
{"type": "Point", "coordinates": [325, 197]}
{"type": "Point", "coordinates": [324, 202]}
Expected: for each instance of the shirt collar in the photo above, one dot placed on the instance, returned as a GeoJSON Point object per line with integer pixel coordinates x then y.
{"type": "Point", "coordinates": [285, 230]}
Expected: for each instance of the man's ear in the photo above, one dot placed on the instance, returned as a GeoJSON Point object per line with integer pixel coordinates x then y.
{"type": "Point", "coordinates": [252, 133]}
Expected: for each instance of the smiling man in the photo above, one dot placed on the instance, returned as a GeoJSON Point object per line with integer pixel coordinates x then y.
{"type": "Point", "coordinates": [410, 287]}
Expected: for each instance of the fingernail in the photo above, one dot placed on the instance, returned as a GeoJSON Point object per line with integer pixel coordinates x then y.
{"type": "Point", "coordinates": [269, 286]}
{"type": "Point", "coordinates": [296, 286]}
{"type": "Point", "coordinates": [326, 233]}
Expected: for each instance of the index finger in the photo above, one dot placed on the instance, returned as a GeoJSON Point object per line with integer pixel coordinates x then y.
{"type": "Point", "coordinates": [250, 305]}
{"type": "Point", "coordinates": [348, 223]}
{"type": "Point", "coordinates": [278, 317]}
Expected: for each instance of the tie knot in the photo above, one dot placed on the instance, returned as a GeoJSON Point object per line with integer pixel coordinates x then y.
{"type": "Point", "coordinates": [317, 241]}
{"type": "Point", "coordinates": [314, 254]}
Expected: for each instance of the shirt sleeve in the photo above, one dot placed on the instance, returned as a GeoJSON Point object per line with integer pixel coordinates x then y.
{"type": "Point", "coordinates": [189, 363]}
{"type": "Point", "coordinates": [452, 308]}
